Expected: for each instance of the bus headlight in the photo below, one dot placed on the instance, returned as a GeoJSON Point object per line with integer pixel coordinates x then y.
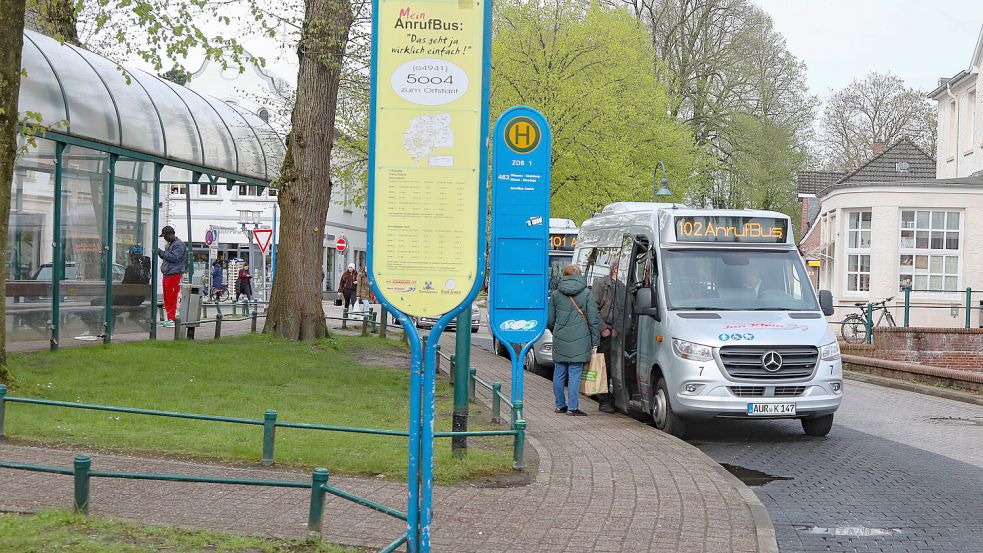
{"type": "Point", "coordinates": [830, 352]}
{"type": "Point", "coordinates": [691, 351]}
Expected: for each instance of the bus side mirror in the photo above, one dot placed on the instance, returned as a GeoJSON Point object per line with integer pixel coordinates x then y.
{"type": "Point", "coordinates": [826, 302]}
{"type": "Point", "coordinates": [647, 303]}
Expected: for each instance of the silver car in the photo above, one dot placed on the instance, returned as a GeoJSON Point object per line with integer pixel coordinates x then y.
{"type": "Point", "coordinates": [428, 322]}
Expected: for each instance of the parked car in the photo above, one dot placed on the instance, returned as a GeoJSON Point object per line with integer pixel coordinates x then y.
{"type": "Point", "coordinates": [428, 322]}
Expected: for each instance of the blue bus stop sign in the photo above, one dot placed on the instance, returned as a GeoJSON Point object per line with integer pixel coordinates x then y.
{"type": "Point", "coordinates": [520, 231]}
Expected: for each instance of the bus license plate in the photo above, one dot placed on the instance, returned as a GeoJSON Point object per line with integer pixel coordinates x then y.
{"type": "Point", "coordinates": [770, 409]}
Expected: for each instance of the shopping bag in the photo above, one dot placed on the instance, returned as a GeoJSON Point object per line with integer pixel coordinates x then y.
{"type": "Point", "coordinates": [594, 379]}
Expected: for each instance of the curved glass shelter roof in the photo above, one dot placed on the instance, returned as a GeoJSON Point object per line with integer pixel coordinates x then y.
{"type": "Point", "coordinates": [139, 112]}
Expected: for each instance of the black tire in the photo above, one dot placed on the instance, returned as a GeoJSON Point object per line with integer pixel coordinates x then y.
{"type": "Point", "coordinates": [500, 348]}
{"type": "Point", "coordinates": [529, 363]}
{"type": "Point", "coordinates": [854, 329]}
{"type": "Point", "coordinates": [663, 416]}
{"type": "Point", "coordinates": [818, 426]}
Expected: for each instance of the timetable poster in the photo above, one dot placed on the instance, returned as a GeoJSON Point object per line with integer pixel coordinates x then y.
{"type": "Point", "coordinates": [426, 159]}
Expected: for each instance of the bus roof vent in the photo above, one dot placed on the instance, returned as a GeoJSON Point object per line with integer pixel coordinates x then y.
{"type": "Point", "coordinates": [624, 207]}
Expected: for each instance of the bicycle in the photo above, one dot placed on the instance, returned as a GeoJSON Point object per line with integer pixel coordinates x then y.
{"type": "Point", "coordinates": [217, 294]}
{"type": "Point", "coordinates": [854, 326]}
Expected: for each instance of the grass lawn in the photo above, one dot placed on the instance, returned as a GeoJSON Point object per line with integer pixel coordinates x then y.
{"type": "Point", "coordinates": [320, 383]}
{"type": "Point", "coordinates": [64, 531]}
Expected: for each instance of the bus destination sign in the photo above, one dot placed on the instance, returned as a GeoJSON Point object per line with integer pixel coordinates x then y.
{"type": "Point", "coordinates": [727, 228]}
{"type": "Point", "coordinates": [563, 242]}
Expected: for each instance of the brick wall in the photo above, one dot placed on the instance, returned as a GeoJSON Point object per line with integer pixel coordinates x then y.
{"type": "Point", "coordinates": [951, 348]}
{"type": "Point", "coordinates": [809, 248]}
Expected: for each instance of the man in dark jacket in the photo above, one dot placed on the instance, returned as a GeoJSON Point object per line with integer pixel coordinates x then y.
{"type": "Point", "coordinates": [576, 327]}
{"type": "Point", "coordinates": [607, 291]}
{"type": "Point", "coordinates": [174, 259]}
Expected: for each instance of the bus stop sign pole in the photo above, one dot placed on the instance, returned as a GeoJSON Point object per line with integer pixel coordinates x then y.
{"type": "Point", "coordinates": [520, 217]}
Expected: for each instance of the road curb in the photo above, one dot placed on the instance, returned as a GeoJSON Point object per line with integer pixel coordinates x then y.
{"type": "Point", "coordinates": [917, 388]}
{"type": "Point", "coordinates": [763, 528]}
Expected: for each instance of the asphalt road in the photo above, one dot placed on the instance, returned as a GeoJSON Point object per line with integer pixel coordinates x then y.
{"type": "Point", "coordinates": [899, 472]}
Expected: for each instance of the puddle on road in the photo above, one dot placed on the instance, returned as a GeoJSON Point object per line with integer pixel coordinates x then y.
{"type": "Point", "coordinates": [961, 421]}
{"type": "Point", "coordinates": [850, 531]}
{"type": "Point", "coordinates": [752, 477]}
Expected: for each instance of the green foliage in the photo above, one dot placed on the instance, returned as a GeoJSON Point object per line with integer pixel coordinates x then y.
{"type": "Point", "coordinates": [321, 382]}
{"type": "Point", "coordinates": [766, 164]}
{"type": "Point", "coordinates": [591, 73]}
{"type": "Point", "coordinates": [64, 531]}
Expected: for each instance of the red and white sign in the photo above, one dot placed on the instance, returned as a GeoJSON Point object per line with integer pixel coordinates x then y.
{"type": "Point", "coordinates": [263, 237]}
{"type": "Point", "coordinates": [341, 244]}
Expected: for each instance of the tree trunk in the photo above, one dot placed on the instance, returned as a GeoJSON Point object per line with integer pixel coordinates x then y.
{"type": "Point", "coordinates": [295, 310]}
{"type": "Point", "coordinates": [11, 43]}
{"type": "Point", "coordinates": [56, 18]}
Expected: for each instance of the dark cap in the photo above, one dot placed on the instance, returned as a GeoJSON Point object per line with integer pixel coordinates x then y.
{"type": "Point", "coordinates": [166, 230]}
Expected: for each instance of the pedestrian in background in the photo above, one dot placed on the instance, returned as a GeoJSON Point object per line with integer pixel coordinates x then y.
{"type": "Point", "coordinates": [364, 289]}
{"type": "Point", "coordinates": [349, 285]}
{"type": "Point", "coordinates": [575, 324]}
{"type": "Point", "coordinates": [218, 266]}
{"type": "Point", "coordinates": [245, 283]}
{"type": "Point", "coordinates": [174, 258]}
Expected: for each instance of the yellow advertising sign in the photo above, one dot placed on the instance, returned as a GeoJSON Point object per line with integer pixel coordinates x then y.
{"type": "Point", "coordinates": [427, 156]}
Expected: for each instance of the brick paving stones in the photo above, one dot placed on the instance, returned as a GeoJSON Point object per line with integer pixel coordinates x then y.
{"type": "Point", "coordinates": [905, 463]}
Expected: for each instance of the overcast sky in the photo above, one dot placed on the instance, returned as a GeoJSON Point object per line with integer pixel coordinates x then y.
{"type": "Point", "coordinates": [840, 40]}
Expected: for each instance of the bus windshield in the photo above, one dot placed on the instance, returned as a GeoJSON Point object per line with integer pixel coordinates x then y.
{"type": "Point", "coordinates": [737, 280]}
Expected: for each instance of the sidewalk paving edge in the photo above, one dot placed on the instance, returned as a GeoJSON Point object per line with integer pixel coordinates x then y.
{"type": "Point", "coordinates": [917, 388]}
{"type": "Point", "coordinates": [763, 528]}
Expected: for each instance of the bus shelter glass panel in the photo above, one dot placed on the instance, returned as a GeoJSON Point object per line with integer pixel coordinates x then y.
{"type": "Point", "coordinates": [133, 246]}
{"type": "Point", "coordinates": [85, 181]}
{"type": "Point", "coordinates": [29, 251]}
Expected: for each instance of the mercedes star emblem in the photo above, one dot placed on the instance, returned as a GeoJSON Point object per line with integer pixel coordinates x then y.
{"type": "Point", "coordinates": [771, 361]}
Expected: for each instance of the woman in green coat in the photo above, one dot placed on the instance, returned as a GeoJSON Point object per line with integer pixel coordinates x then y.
{"type": "Point", "coordinates": [576, 328]}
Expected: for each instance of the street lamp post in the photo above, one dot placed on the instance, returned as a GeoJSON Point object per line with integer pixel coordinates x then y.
{"type": "Point", "coordinates": [661, 189]}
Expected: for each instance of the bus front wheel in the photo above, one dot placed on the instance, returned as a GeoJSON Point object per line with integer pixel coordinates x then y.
{"type": "Point", "coordinates": [663, 416]}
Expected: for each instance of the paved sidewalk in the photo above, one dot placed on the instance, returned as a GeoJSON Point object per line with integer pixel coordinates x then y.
{"type": "Point", "coordinates": [606, 483]}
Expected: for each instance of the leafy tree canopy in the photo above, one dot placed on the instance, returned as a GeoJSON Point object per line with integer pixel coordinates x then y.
{"type": "Point", "coordinates": [590, 71]}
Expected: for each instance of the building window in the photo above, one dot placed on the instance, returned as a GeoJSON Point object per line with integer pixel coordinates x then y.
{"type": "Point", "coordinates": [206, 189]}
{"type": "Point", "coordinates": [931, 250]}
{"type": "Point", "coordinates": [253, 191]}
{"type": "Point", "coordinates": [858, 251]}
{"type": "Point", "coordinates": [178, 188]}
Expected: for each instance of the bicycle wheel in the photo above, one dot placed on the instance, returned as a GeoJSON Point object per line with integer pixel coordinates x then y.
{"type": "Point", "coordinates": [890, 318]}
{"type": "Point", "coordinates": [854, 329]}
{"type": "Point", "coordinates": [223, 294]}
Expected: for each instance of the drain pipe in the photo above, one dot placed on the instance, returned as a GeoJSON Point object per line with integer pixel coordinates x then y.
{"type": "Point", "coordinates": [955, 154]}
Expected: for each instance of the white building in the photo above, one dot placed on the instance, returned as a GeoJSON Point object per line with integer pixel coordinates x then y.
{"type": "Point", "coordinates": [960, 138]}
{"type": "Point", "coordinates": [214, 206]}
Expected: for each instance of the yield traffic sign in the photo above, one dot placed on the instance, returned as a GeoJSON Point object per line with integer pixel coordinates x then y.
{"type": "Point", "coordinates": [262, 237]}
{"type": "Point", "coordinates": [341, 244]}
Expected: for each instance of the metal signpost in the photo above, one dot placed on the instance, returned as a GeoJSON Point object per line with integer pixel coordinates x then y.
{"type": "Point", "coordinates": [519, 280]}
{"type": "Point", "coordinates": [431, 66]}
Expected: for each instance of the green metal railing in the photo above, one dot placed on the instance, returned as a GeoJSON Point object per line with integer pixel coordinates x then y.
{"type": "Point", "coordinates": [82, 474]}
{"type": "Point", "coordinates": [967, 304]}
{"type": "Point", "coordinates": [269, 423]}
